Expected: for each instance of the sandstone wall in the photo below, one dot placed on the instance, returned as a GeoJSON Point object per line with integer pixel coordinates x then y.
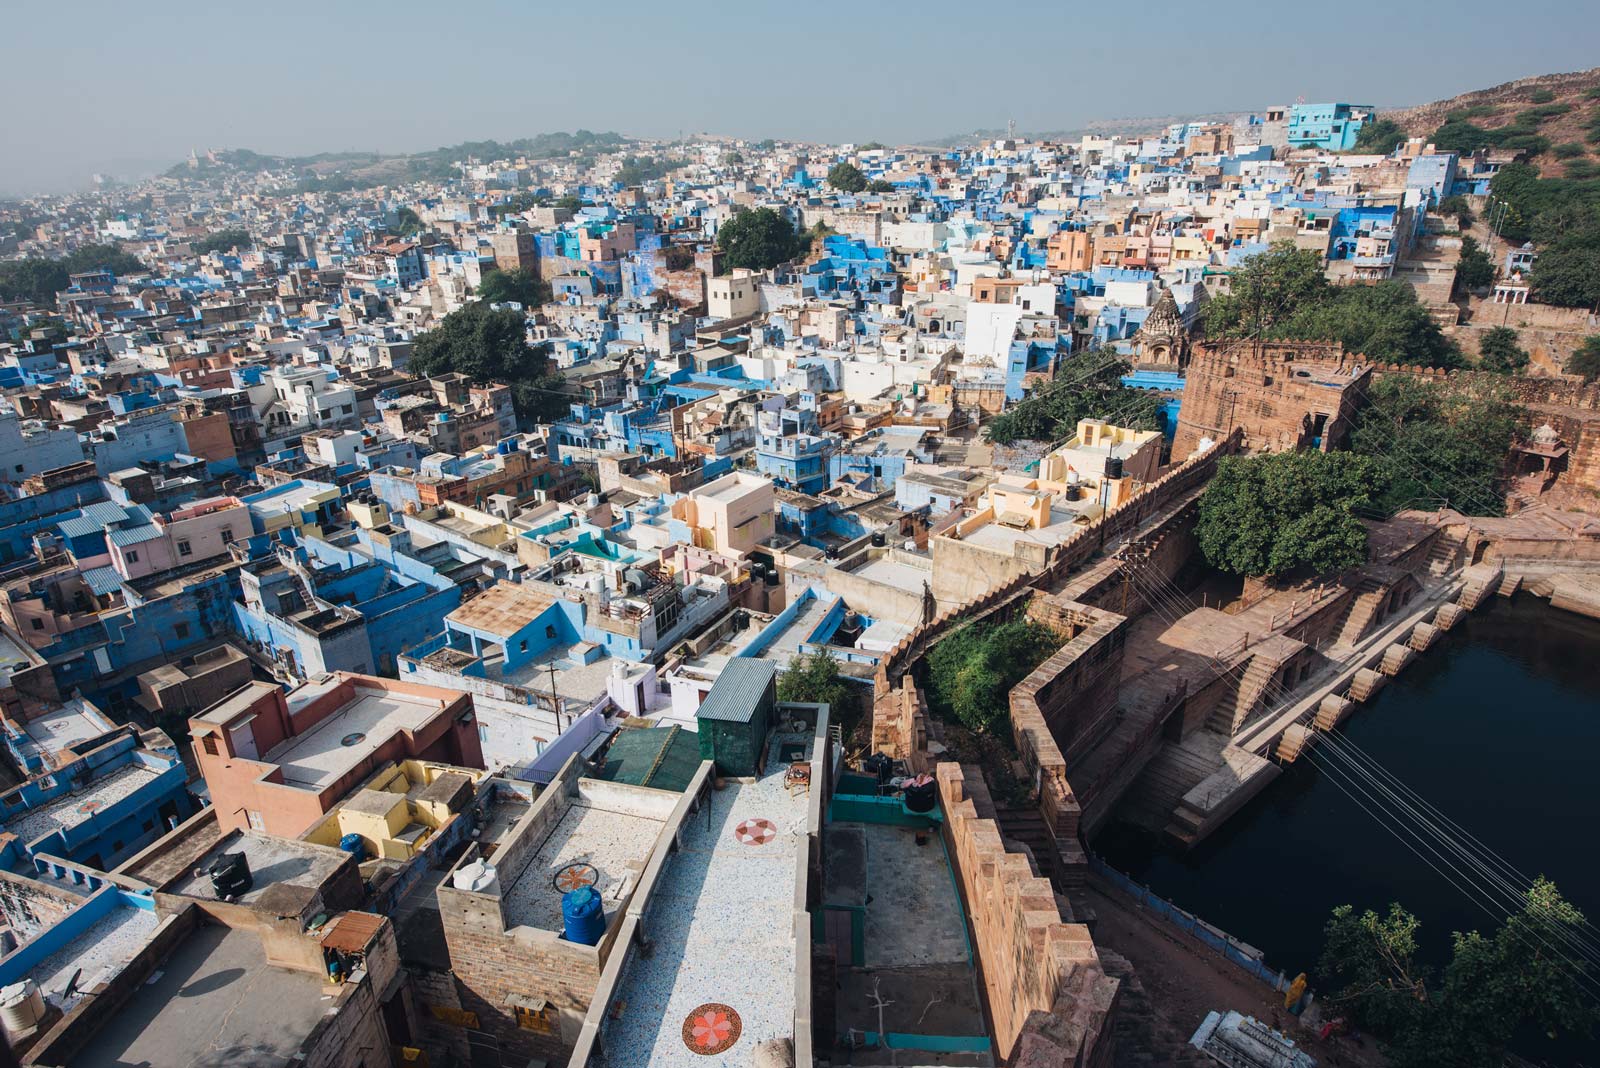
{"type": "Point", "coordinates": [1031, 959]}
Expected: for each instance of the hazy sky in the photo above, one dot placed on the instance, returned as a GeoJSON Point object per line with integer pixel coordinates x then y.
{"type": "Point", "coordinates": [129, 88]}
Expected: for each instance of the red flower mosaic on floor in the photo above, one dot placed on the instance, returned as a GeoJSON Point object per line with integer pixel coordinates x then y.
{"type": "Point", "coordinates": [712, 1028]}
{"type": "Point", "coordinates": [755, 832]}
{"type": "Point", "coordinates": [575, 877]}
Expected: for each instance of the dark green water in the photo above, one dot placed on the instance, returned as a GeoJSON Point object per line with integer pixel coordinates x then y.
{"type": "Point", "coordinates": [1498, 726]}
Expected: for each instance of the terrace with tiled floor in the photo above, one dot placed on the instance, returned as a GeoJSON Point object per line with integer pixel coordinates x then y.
{"type": "Point", "coordinates": [722, 924]}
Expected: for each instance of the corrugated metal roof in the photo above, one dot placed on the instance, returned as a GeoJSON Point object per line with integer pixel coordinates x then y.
{"type": "Point", "coordinates": [134, 535]}
{"type": "Point", "coordinates": [103, 580]}
{"type": "Point", "coordinates": [352, 932]}
{"type": "Point", "coordinates": [738, 690]}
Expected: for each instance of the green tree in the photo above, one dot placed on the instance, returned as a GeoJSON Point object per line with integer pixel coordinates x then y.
{"type": "Point", "coordinates": [847, 178]}
{"type": "Point", "coordinates": [407, 222]}
{"type": "Point", "coordinates": [878, 185]}
{"type": "Point", "coordinates": [1088, 386]}
{"type": "Point", "coordinates": [1379, 135]}
{"type": "Point", "coordinates": [516, 286]}
{"type": "Point", "coordinates": [1283, 293]}
{"type": "Point", "coordinates": [815, 679]}
{"type": "Point", "coordinates": [38, 280]}
{"type": "Point", "coordinates": [490, 345]}
{"type": "Point", "coordinates": [1457, 205]}
{"type": "Point", "coordinates": [759, 240]}
{"type": "Point", "coordinates": [1474, 269]}
{"type": "Point", "coordinates": [1492, 989]}
{"type": "Point", "coordinates": [1266, 290]}
{"type": "Point", "coordinates": [223, 241]}
{"type": "Point", "coordinates": [1499, 352]}
{"type": "Point", "coordinates": [569, 203]}
{"type": "Point", "coordinates": [1433, 441]}
{"type": "Point", "coordinates": [971, 670]}
{"type": "Point", "coordinates": [1585, 359]}
{"type": "Point", "coordinates": [1568, 273]}
{"type": "Point", "coordinates": [1286, 512]}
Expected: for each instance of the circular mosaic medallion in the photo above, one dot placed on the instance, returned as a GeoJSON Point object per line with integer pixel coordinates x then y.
{"type": "Point", "coordinates": [88, 806]}
{"type": "Point", "coordinates": [576, 877]}
{"type": "Point", "coordinates": [352, 739]}
{"type": "Point", "coordinates": [712, 1028]}
{"type": "Point", "coordinates": [755, 832]}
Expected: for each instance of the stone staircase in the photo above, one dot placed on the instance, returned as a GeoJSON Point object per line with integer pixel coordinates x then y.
{"type": "Point", "coordinates": [1480, 582]}
{"type": "Point", "coordinates": [1369, 595]}
{"type": "Point", "coordinates": [1059, 860]}
{"type": "Point", "coordinates": [1442, 555]}
{"type": "Point", "coordinates": [1257, 689]}
{"type": "Point", "coordinates": [1171, 773]}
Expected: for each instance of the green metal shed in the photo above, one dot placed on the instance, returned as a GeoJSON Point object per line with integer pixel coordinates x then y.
{"type": "Point", "coordinates": [736, 714]}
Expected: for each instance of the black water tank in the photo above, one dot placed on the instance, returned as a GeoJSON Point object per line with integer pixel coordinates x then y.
{"type": "Point", "coordinates": [1113, 467]}
{"type": "Point", "coordinates": [920, 798]}
{"type": "Point", "coordinates": [878, 540]}
{"type": "Point", "coordinates": [230, 875]}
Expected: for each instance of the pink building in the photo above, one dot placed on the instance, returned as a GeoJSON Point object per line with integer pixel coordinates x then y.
{"type": "Point", "coordinates": [276, 762]}
{"type": "Point", "coordinates": [185, 536]}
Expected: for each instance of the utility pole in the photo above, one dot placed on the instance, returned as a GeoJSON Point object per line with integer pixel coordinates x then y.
{"type": "Point", "coordinates": [555, 702]}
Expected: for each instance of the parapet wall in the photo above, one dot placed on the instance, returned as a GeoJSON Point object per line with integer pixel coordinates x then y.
{"type": "Point", "coordinates": [1050, 1002]}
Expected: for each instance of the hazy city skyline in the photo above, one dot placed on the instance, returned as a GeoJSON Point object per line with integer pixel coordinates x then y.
{"type": "Point", "coordinates": [95, 89]}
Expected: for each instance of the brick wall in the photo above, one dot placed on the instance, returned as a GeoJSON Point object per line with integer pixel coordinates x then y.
{"type": "Point", "coordinates": [1031, 960]}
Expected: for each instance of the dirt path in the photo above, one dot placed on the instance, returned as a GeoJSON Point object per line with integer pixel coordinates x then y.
{"type": "Point", "coordinates": [1184, 981]}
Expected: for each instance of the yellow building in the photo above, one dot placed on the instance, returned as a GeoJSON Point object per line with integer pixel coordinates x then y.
{"type": "Point", "coordinates": [399, 810]}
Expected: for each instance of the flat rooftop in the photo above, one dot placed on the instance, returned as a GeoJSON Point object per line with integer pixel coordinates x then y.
{"type": "Point", "coordinates": [66, 726]}
{"type": "Point", "coordinates": [890, 572]}
{"type": "Point", "coordinates": [1000, 538]}
{"type": "Point", "coordinates": [273, 862]}
{"type": "Point", "coordinates": [615, 840]}
{"type": "Point", "coordinates": [722, 917]}
{"type": "Point", "coordinates": [322, 755]}
{"type": "Point", "coordinates": [69, 810]}
{"type": "Point", "coordinates": [102, 951]}
{"type": "Point", "coordinates": [214, 1000]}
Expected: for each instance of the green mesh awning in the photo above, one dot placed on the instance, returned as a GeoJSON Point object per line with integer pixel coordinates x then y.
{"type": "Point", "coordinates": [662, 758]}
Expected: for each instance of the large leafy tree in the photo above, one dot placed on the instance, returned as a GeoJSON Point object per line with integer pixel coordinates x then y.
{"type": "Point", "coordinates": [759, 240]}
{"type": "Point", "coordinates": [1474, 269]}
{"type": "Point", "coordinates": [1283, 293]}
{"type": "Point", "coordinates": [1089, 386]}
{"type": "Point", "coordinates": [815, 679]}
{"type": "Point", "coordinates": [1437, 441]}
{"type": "Point", "coordinates": [1286, 512]}
{"type": "Point", "coordinates": [1493, 987]}
{"type": "Point", "coordinates": [847, 178]}
{"type": "Point", "coordinates": [490, 345]}
{"type": "Point", "coordinates": [223, 241]}
{"type": "Point", "coordinates": [1266, 290]}
{"type": "Point", "coordinates": [39, 280]}
{"type": "Point", "coordinates": [971, 670]}
{"type": "Point", "coordinates": [516, 286]}
{"type": "Point", "coordinates": [1499, 352]}
{"type": "Point", "coordinates": [1585, 359]}
{"type": "Point", "coordinates": [1379, 135]}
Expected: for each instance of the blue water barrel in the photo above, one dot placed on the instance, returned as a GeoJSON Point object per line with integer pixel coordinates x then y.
{"type": "Point", "coordinates": [354, 845]}
{"type": "Point", "coordinates": [583, 916]}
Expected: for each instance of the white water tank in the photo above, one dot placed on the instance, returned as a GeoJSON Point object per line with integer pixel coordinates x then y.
{"type": "Point", "coordinates": [478, 877]}
{"type": "Point", "coordinates": [21, 1007]}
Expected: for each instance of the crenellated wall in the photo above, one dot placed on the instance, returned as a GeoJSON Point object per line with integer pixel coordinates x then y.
{"type": "Point", "coordinates": [1050, 1001]}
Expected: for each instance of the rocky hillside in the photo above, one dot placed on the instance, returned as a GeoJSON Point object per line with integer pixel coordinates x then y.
{"type": "Point", "coordinates": [1561, 110]}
